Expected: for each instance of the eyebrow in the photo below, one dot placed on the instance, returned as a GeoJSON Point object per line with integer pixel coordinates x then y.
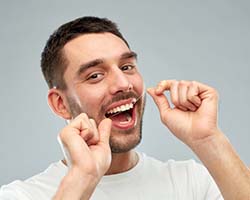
{"type": "Point", "coordinates": [99, 61]}
{"type": "Point", "coordinates": [127, 55]}
{"type": "Point", "coordinates": [88, 65]}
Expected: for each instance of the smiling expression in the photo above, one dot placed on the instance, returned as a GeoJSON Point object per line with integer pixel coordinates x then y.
{"type": "Point", "coordinates": [103, 81]}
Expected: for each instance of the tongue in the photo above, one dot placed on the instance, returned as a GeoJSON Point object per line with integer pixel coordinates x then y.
{"type": "Point", "coordinates": [121, 117]}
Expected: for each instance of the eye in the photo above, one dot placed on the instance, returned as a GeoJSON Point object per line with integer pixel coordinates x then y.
{"type": "Point", "coordinates": [95, 77]}
{"type": "Point", "coordinates": [127, 67]}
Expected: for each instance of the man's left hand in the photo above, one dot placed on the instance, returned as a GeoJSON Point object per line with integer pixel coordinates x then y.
{"type": "Point", "coordinates": [193, 117]}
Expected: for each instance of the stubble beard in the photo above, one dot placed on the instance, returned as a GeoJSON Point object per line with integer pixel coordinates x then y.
{"type": "Point", "coordinates": [125, 140]}
{"type": "Point", "coordinates": [120, 141]}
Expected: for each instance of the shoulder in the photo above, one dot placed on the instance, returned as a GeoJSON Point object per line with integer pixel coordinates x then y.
{"type": "Point", "coordinates": [42, 184]}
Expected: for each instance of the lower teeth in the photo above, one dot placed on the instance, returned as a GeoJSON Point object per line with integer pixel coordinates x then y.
{"type": "Point", "coordinates": [128, 119]}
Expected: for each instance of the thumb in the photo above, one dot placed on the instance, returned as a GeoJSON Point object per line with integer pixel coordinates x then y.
{"type": "Point", "coordinates": [104, 129]}
{"type": "Point", "coordinates": [160, 100]}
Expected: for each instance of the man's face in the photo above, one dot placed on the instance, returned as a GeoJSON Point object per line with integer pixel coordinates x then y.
{"type": "Point", "coordinates": [103, 81]}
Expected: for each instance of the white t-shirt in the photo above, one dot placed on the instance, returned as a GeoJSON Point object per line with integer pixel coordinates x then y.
{"type": "Point", "coordinates": [149, 179]}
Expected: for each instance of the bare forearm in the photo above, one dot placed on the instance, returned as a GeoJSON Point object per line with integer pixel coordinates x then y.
{"type": "Point", "coordinates": [223, 163]}
{"type": "Point", "coordinates": [76, 186]}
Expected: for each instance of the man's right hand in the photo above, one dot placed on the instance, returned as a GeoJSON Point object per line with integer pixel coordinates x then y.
{"type": "Point", "coordinates": [89, 154]}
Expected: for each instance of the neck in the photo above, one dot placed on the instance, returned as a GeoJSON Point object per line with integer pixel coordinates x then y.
{"type": "Point", "coordinates": [122, 162]}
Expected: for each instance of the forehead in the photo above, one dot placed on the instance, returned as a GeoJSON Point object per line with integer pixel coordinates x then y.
{"type": "Point", "coordinates": [93, 46]}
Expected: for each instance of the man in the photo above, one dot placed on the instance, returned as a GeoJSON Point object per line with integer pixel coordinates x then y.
{"type": "Point", "coordinates": [95, 85]}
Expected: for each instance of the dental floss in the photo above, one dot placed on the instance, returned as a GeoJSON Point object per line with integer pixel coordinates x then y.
{"type": "Point", "coordinates": [143, 93]}
{"type": "Point", "coordinates": [65, 152]}
{"type": "Point", "coordinates": [64, 149]}
{"type": "Point", "coordinates": [138, 98]}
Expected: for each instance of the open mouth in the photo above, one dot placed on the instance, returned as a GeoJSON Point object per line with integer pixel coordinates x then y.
{"type": "Point", "coordinates": [123, 116]}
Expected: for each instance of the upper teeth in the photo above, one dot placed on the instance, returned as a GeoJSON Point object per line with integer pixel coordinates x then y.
{"type": "Point", "coordinates": [121, 108]}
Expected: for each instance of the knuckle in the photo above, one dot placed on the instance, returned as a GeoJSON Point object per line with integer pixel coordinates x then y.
{"type": "Point", "coordinates": [83, 115]}
{"type": "Point", "coordinates": [214, 91]}
{"type": "Point", "coordinates": [183, 102]}
{"type": "Point", "coordinates": [174, 82]}
{"type": "Point", "coordinates": [191, 97]}
{"type": "Point", "coordinates": [162, 82]}
{"type": "Point", "coordinates": [93, 123]}
{"type": "Point", "coordinates": [193, 82]}
{"type": "Point", "coordinates": [182, 82]}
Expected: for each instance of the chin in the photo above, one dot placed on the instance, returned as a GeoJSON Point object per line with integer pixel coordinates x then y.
{"type": "Point", "coordinates": [122, 141]}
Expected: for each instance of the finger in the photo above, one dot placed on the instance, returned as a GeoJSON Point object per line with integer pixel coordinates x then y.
{"type": "Point", "coordinates": [172, 86]}
{"type": "Point", "coordinates": [182, 94]}
{"type": "Point", "coordinates": [160, 100]}
{"type": "Point", "coordinates": [192, 94]}
{"type": "Point", "coordinates": [83, 127]}
{"type": "Point", "coordinates": [174, 95]}
{"type": "Point", "coordinates": [95, 135]}
{"type": "Point", "coordinates": [164, 86]}
{"type": "Point", "coordinates": [104, 129]}
{"type": "Point", "coordinates": [72, 132]}
{"type": "Point", "coordinates": [71, 143]}
{"type": "Point", "coordinates": [87, 129]}
{"type": "Point", "coordinates": [81, 122]}
{"type": "Point", "coordinates": [206, 92]}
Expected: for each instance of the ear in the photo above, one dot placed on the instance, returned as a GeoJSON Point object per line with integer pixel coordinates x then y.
{"type": "Point", "coordinates": [57, 102]}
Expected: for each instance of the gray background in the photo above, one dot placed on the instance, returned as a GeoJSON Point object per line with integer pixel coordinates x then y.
{"type": "Point", "coordinates": [206, 41]}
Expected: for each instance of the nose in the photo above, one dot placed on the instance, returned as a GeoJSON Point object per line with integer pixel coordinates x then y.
{"type": "Point", "coordinates": [119, 82]}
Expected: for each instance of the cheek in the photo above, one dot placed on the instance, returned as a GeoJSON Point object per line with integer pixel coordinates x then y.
{"type": "Point", "coordinates": [139, 84]}
{"type": "Point", "coordinates": [91, 100]}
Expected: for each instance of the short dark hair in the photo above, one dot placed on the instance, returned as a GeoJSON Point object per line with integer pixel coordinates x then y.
{"type": "Point", "coordinates": [53, 60]}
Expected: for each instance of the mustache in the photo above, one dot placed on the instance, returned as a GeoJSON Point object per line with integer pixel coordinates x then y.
{"type": "Point", "coordinates": [119, 97]}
